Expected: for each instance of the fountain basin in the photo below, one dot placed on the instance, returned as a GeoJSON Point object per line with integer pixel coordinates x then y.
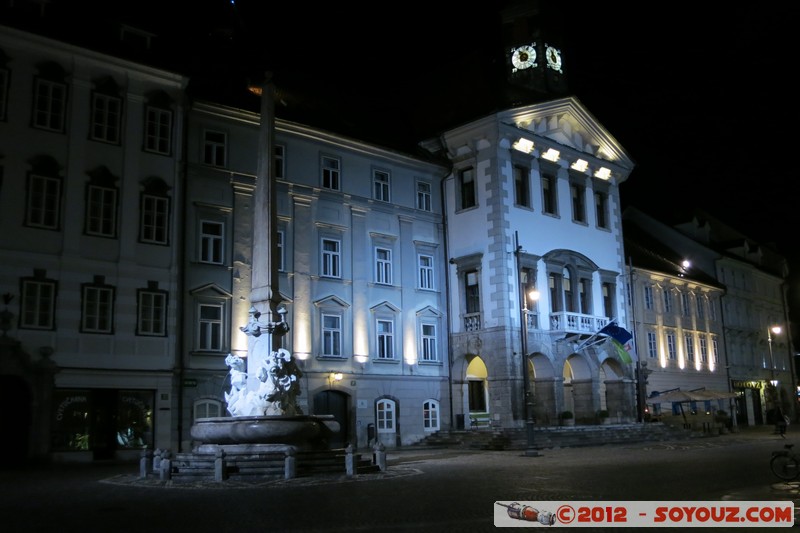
{"type": "Point", "coordinates": [302, 431]}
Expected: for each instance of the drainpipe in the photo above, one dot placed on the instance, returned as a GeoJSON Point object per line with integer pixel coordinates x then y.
{"type": "Point", "coordinates": [449, 333]}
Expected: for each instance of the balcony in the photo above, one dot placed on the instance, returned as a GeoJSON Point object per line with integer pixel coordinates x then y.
{"type": "Point", "coordinates": [576, 323]}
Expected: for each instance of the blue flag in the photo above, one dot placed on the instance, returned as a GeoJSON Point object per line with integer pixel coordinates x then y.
{"type": "Point", "coordinates": [621, 339]}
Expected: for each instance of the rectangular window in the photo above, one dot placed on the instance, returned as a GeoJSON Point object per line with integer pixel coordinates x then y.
{"type": "Point", "coordinates": [212, 242]}
{"type": "Point", "coordinates": [689, 341]}
{"type": "Point", "coordinates": [331, 336]}
{"type": "Point", "coordinates": [584, 291]}
{"type": "Point", "coordinates": [152, 313]}
{"type": "Point", "coordinates": [578, 194]}
{"type": "Point", "coordinates": [43, 203]}
{"type": "Point", "coordinates": [281, 265]}
{"type": "Point", "coordinates": [3, 93]}
{"type": "Point", "coordinates": [466, 183]}
{"type": "Point", "coordinates": [279, 167]}
{"type": "Point", "coordinates": [101, 211]}
{"type": "Point", "coordinates": [97, 310]}
{"type": "Point", "coordinates": [214, 143]}
{"type": "Point", "coordinates": [424, 196]}
{"type": "Point", "coordinates": [703, 349]}
{"type": "Point", "coordinates": [549, 205]}
{"type": "Point", "coordinates": [608, 299]}
{"type": "Point", "coordinates": [671, 351]}
{"type": "Point", "coordinates": [37, 308]}
{"type": "Point", "coordinates": [648, 298]}
{"type": "Point", "coordinates": [106, 118]}
{"type": "Point", "coordinates": [210, 328]}
{"type": "Point", "coordinates": [652, 345]}
{"type": "Point", "coordinates": [385, 416]}
{"type": "Point", "coordinates": [472, 292]}
{"type": "Point", "coordinates": [155, 212]}
{"type": "Point", "coordinates": [522, 192]}
{"type": "Point", "coordinates": [158, 131]}
{"type": "Point", "coordinates": [667, 300]}
{"type": "Point", "coordinates": [430, 415]}
{"type": "Point", "coordinates": [686, 304]}
{"type": "Point", "coordinates": [330, 173]}
{"type": "Point", "coordinates": [429, 353]}
{"type": "Point", "coordinates": [426, 272]}
{"type": "Point", "coordinates": [49, 105]}
{"type": "Point", "coordinates": [715, 353]}
{"type": "Point", "coordinates": [712, 310]}
{"type": "Point", "coordinates": [701, 307]}
{"type": "Point", "coordinates": [385, 339]}
{"type": "Point", "coordinates": [601, 209]}
{"type": "Point", "coordinates": [331, 259]}
{"type": "Point", "coordinates": [380, 184]}
{"type": "Point", "coordinates": [383, 266]}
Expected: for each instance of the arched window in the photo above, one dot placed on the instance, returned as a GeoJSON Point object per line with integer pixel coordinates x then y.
{"type": "Point", "coordinates": [385, 414]}
{"type": "Point", "coordinates": [207, 408]}
{"type": "Point", "coordinates": [430, 415]}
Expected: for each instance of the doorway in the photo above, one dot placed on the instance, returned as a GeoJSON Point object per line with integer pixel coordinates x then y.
{"type": "Point", "coordinates": [331, 402]}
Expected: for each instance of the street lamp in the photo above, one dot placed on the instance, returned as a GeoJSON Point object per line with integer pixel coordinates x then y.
{"type": "Point", "coordinates": [530, 450]}
{"type": "Point", "coordinates": [770, 330]}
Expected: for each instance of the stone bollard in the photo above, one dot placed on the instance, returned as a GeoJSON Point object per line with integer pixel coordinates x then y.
{"type": "Point", "coordinates": [379, 456]}
{"type": "Point", "coordinates": [349, 463]}
{"type": "Point", "coordinates": [144, 462]}
{"type": "Point", "coordinates": [157, 460]}
{"type": "Point", "coordinates": [220, 473]}
{"type": "Point", "coordinates": [290, 465]}
{"type": "Point", "coordinates": [165, 467]}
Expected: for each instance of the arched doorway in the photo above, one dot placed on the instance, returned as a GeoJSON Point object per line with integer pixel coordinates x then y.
{"type": "Point", "coordinates": [477, 392]}
{"type": "Point", "coordinates": [16, 393]}
{"type": "Point", "coordinates": [333, 402]}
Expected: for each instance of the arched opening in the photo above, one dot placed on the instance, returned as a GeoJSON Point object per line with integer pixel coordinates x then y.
{"type": "Point", "coordinates": [334, 402]}
{"type": "Point", "coordinates": [477, 392]}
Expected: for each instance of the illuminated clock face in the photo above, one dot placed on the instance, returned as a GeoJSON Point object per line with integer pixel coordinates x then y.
{"type": "Point", "coordinates": [523, 57]}
{"type": "Point", "coordinates": [553, 56]}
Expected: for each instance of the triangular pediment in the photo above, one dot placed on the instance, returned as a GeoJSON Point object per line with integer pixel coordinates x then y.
{"type": "Point", "coordinates": [568, 123]}
{"type": "Point", "coordinates": [210, 290]}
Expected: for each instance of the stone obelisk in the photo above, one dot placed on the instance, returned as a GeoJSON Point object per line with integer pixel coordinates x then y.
{"type": "Point", "coordinates": [264, 294]}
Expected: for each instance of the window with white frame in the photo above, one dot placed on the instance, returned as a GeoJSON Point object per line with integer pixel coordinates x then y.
{"type": "Point", "coordinates": [430, 415]}
{"type": "Point", "coordinates": [4, 76]}
{"type": "Point", "coordinates": [689, 341]}
{"type": "Point", "coordinates": [151, 312]}
{"type": "Point", "coordinates": [652, 345]}
{"type": "Point", "coordinates": [97, 307]}
{"type": "Point", "coordinates": [43, 202]}
{"type": "Point", "coordinates": [383, 266]}
{"type": "Point", "coordinates": [601, 209]}
{"type": "Point", "coordinates": [279, 161]}
{"type": "Point", "coordinates": [578, 195]}
{"type": "Point", "coordinates": [101, 211]}
{"type": "Point", "coordinates": [467, 188]}
{"type": "Point", "coordinates": [715, 352]}
{"type": "Point", "coordinates": [331, 258]}
{"type": "Point", "coordinates": [207, 408]}
{"type": "Point", "coordinates": [281, 252]}
{"type": "Point", "coordinates": [424, 196]}
{"type": "Point", "coordinates": [385, 339]}
{"type": "Point", "coordinates": [106, 118]}
{"type": "Point", "coordinates": [38, 302]}
{"type": "Point", "coordinates": [158, 130]}
{"type": "Point", "coordinates": [667, 300]}
{"type": "Point", "coordinates": [214, 148]}
{"type": "Point", "coordinates": [609, 290]}
{"type": "Point", "coordinates": [210, 327]}
{"type": "Point", "coordinates": [425, 272]}
{"type": "Point", "coordinates": [703, 349]}
{"type": "Point", "coordinates": [385, 415]}
{"type": "Point", "coordinates": [472, 292]}
{"type": "Point", "coordinates": [648, 297]}
{"type": "Point", "coordinates": [331, 335]}
{"type": "Point", "coordinates": [331, 170]}
{"type": "Point", "coordinates": [522, 190]}
{"type": "Point", "coordinates": [381, 186]}
{"type": "Point", "coordinates": [671, 348]}
{"type": "Point", "coordinates": [428, 351]}
{"type": "Point", "coordinates": [212, 242]}
{"type": "Point", "coordinates": [154, 219]}
{"type": "Point", "coordinates": [49, 105]}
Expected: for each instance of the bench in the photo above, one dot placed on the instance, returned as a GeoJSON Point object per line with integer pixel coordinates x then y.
{"type": "Point", "coordinates": [480, 420]}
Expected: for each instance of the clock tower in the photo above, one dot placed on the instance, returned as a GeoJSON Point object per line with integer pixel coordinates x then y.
{"type": "Point", "coordinates": [534, 61]}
